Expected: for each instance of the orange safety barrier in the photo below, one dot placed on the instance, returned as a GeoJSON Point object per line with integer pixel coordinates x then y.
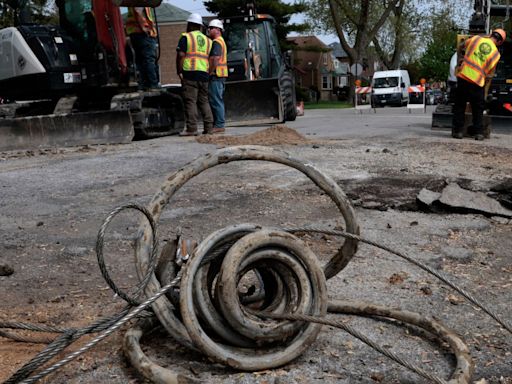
{"type": "Point", "coordinates": [417, 104]}
{"type": "Point", "coordinates": [363, 98]}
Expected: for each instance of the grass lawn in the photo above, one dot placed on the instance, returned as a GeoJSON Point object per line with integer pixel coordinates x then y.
{"type": "Point", "coordinates": [327, 104]}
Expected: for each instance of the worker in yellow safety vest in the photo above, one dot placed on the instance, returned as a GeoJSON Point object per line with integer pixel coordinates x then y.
{"type": "Point", "coordinates": [480, 60]}
{"type": "Point", "coordinates": [218, 74]}
{"type": "Point", "coordinates": [141, 28]}
{"type": "Point", "coordinates": [192, 65]}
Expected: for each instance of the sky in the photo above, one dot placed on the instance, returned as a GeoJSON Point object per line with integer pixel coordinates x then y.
{"type": "Point", "coordinates": [198, 7]}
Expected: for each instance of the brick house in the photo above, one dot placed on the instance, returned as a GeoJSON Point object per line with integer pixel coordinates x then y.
{"type": "Point", "coordinates": [172, 22]}
{"type": "Point", "coordinates": [316, 67]}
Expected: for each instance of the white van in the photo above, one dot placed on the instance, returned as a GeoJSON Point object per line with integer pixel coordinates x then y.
{"type": "Point", "coordinates": [390, 87]}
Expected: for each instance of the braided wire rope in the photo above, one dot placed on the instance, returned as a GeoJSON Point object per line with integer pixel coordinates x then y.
{"type": "Point", "coordinates": [71, 335]}
{"type": "Point", "coordinates": [358, 335]}
{"type": "Point", "coordinates": [26, 339]}
{"type": "Point", "coordinates": [153, 258]}
{"type": "Point", "coordinates": [419, 264]}
{"type": "Point", "coordinates": [105, 333]}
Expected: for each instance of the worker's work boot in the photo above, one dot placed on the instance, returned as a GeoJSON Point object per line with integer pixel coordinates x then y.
{"type": "Point", "coordinates": [207, 130]}
{"type": "Point", "coordinates": [218, 130]}
{"type": "Point", "coordinates": [457, 134]}
{"type": "Point", "coordinates": [479, 137]}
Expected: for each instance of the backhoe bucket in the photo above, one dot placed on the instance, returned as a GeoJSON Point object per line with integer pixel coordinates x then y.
{"type": "Point", "coordinates": [442, 116]}
{"type": "Point", "coordinates": [253, 102]}
{"type": "Point", "coordinates": [442, 119]}
{"type": "Point", "coordinates": [108, 127]}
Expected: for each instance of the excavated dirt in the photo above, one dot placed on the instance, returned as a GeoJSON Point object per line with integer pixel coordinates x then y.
{"type": "Point", "coordinates": [275, 135]}
{"type": "Point", "coordinates": [53, 202]}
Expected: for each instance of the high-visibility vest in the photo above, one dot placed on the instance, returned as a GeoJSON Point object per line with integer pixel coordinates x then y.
{"type": "Point", "coordinates": [222, 66]}
{"type": "Point", "coordinates": [198, 51]}
{"type": "Point", "coordinates": [137, 24]}
{"type": "Point", "coordinates": [480, 59]}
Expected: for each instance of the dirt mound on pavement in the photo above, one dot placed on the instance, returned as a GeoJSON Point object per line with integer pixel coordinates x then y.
{"type": "Point", "coordinates": [276, 135]}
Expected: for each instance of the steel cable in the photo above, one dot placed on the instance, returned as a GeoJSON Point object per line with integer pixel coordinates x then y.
{"type": "Point", "coordinates": [347, 328]}
{"type": "Point", "coordinates": [152, 260]}
{"type": "Point", "coordinates": [419, 264]}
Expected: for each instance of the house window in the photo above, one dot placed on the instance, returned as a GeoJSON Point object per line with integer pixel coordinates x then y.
{"type": "Point", "coordinates": [342, 81]}
{"type": "Point", "coordinates": [336, 64]}
{"type": "Point", "coordinates": [325, 58]}
{"type": "Point", "coordinates": [326, 82]}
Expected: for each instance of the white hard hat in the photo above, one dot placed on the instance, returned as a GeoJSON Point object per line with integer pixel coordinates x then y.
{"type": "Point", "coordinates": [217, 24]}
{"type": "Point", "coordinates": [195, 18]}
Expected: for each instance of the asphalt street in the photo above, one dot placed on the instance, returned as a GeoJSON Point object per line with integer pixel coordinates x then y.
{"type": "Point", "coordinates": [53, 201]}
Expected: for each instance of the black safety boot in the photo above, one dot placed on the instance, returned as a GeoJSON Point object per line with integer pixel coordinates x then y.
{"type": "Point", "coordinates": [479, 137]}
{"type": "Point", "coordinates": [456, 134]}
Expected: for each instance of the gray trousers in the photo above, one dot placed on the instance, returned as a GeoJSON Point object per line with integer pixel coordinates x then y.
{"type": "Point", "coordinates": [195, 95]}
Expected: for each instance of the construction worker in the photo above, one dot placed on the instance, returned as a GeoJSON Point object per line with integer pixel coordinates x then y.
{"type": "Point", "coordinates": [192, 65]}
{"type": "Point", "coordinates": [480, 59]}
{"type": "Point", "coordinates": [218, 74]}
{"type": "Point", "coordinates": [141, 28]}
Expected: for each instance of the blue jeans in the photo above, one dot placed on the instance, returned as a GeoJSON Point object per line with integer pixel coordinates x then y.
{"type": "Point", "coordinates": [145, 59]}
{"type": "Point", "coordinates": [216, 96]}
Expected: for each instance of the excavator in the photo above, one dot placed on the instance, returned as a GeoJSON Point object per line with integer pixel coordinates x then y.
{"type": "Point", "coordinates": [75, 83]}
{"type": "Point", "coordinates": [487, 16]}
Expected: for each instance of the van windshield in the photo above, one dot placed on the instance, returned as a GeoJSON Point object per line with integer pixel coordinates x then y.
{"type": "Point", "coordinates": [385, 82]}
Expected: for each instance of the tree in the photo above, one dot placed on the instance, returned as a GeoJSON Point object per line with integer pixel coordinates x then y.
{"type": "Point", "coordinates": [356, 23]}
{"type": "Point", "coordinates": [435, 62]}
{"type": "Point", "coordinates": [281, 11]}
{"type": "Point", "coordinates": [396, 31]}
{"type": "Point", "coordinates": [40, 11]}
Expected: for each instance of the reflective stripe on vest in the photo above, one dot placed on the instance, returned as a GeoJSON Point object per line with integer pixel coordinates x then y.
{"type": "Point", "coordinates": [222, 66]}
{"type": "Point", "coordinates": [137, 24]}
{"type": "Point", "coordinates": [480, 59]}
{"type": "Point", "coordinates": [198, 51]}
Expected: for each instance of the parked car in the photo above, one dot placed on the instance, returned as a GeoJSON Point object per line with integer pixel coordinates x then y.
{"type": "Point", "coordinates": [435, 96]}
{"type": "Point", "coordinates": [439, 96]}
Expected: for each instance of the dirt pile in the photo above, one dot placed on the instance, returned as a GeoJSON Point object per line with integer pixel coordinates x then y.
{"type": "Point", "coordinates": [275, 135]}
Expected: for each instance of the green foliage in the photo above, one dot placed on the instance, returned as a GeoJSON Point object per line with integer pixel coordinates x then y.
{"type": "Point", "coordinates": [41, 11]}
{"type": "Point", "coordinates": [302, 94]}
{"type": "Point", "coordinates": [415, 71]}
{"type": "Point", "coordinates": [324, 104]}
{"type": "Point", "coordinates": [280, 10]}
{"type": "Point", "coordinates": [435, 62]}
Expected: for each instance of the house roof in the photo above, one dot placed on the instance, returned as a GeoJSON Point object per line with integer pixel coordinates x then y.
{"type": "Point", "coordinates": [307, 42]}
{"type": "Point", "coordinates": [337, 50]}
{"type": "Point", "coordinates": [168, 13]}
